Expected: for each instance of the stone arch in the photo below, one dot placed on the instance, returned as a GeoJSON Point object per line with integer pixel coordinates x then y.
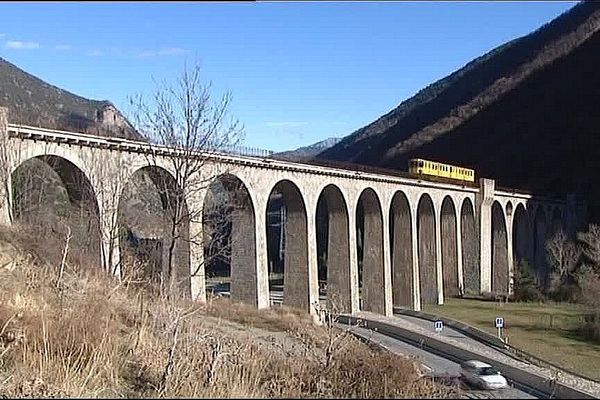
{"type": "Point", "coordinates": [449, 248]}
{"type": "Point", "coordinates": [499, 250]}
{"type": "Point", "coordinates": [229, 229]}
{"type": "Point", "coordinates": [154, 224]}
{"type": "Point", "coordinates": [428, 283]}
{"type": "Point", "coordinates": [470, 249]}
{"type": "Point", "coordinates": [333, 249]}
{"type": "Point", "coordinates": [51, 193]}
{"type": "Point", "coordinates": [401, 251]}
{"type": "Point", "coordinates": [292, 274]}
{"type": "Point", "coordinates": [370, 261]}
{"type": "Point", "coordinates": [539, 243]}
{"type": "Point", "coordinates": [521, 236]}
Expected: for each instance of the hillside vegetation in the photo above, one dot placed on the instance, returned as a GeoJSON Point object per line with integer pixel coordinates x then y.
{"type": "Point", "coordinates": [530, 101]}
{"type": "Point", "coordinates": [31, 101]}
{"type": "Point", "coordinates": [75, 332]}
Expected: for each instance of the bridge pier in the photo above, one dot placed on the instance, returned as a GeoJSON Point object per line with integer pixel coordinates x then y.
{"type": "Point", "coordinates": [5, 171]}
{"type": "Point", "coordinates": [484, 200]}
{"type": "Point", "coordinates": [262, 260]}
{"type": "Point", "coordinates": [352, 244]}
{"type": "Point", "coordinates": [388, 301]}
{"type": "Point", "coordinates": [459, 250]}
{"type": "Point", "coordinates": [312, 273]}
{"type": "Point", "coordinates": [438, 254]}
{"type": "Point", "coordinates": [415, 259]}
{"type": "Point", "coordinates": [510, 251]}
{"type": "Point", "coordinates": [197, 267]}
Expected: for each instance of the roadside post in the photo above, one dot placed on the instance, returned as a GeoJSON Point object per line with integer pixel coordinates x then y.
{"type": "Point", "coordinates": [438, 326]}
{"type": "Point", "coordinates": [499, 325]}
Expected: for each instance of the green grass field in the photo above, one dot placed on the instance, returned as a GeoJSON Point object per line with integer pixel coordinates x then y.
{"type": "Point", "coordinates": [547, 330]}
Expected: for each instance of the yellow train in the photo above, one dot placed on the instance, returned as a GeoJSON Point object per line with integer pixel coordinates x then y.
{"type": "Point", "coordinates": [425, 167]}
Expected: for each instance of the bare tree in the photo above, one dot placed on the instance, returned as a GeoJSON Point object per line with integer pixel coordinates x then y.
{"type": "Point", "coordinates": [184, 117]}
{"type": "Point", "coordinates": [110, 174]}
{"type": "Point", "coordinates": [563, 255]}
{"type": "Point", "coordinates": [590, 241]}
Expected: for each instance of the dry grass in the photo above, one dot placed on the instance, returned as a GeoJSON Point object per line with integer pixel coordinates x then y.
{"type": "Point", "coordinates": [90, 336]}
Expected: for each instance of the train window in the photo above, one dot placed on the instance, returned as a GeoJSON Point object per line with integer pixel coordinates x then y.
{"type": "Point", "coordinates": [421, 164]}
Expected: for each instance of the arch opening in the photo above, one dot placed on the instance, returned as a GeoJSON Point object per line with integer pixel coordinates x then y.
{"type": "Point", "coordinates": [521, 236]}
{"type": "Point", "coordinates": [287, 246]}
{"type": "Point", "coordinates": [401, 251]}
{"type": "Point", "coordinates": [154, 230]}
{"type": "Point", "coordinates": [428, 283]}
{"type": "Point", "coordinates": [333, 249]}
{"type": "Point", "coordinates": [369, 221]}
{"type": "Point", "coordinates": [449, 249]}
{"type": "Point", "coordinates": [53, 199]}
{"type": "Point", "coordinates": [499, 250]}
{"type": "Point", "coordinates": [229, 234]}
{"type": "Point", "coordinates": [470, 249]}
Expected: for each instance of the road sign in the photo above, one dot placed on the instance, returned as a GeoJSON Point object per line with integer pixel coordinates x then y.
{"type": "Point", "coordinates": [499, 322]}
{"type": "Point", "coordinates": [499, 325]}
{"type": "Point", "coordinates": [438, 325]}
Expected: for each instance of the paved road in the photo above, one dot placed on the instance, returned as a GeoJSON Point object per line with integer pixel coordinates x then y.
{"type": "Point", "coordinates": [436, 366]}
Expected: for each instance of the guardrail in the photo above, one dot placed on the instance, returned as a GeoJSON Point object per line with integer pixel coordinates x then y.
{"type": "Point", "coordinates": [489, 339]}
{"type": "Point", "coordinates": [528, 381]}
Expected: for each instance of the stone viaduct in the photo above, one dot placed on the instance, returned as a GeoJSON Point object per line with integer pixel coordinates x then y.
{"type": "Point", "coordinates": [423, 240]}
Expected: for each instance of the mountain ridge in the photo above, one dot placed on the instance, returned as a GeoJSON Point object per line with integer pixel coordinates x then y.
{"type": "Point", "coordinates": [523, 114]}
{"type": "Point", "coordinates": [33, 101]}
{"type": "Point", "coordinates": [505, 57]}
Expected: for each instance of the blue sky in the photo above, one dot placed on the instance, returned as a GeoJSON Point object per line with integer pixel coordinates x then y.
{"type": "Point", "coordinates": [298, 72]}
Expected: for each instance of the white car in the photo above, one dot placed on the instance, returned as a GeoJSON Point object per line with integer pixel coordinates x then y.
{"type": "Point", "coordinates": [482, 375]}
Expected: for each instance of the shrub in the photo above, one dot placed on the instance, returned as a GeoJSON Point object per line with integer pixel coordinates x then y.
{"type": "Point", "coordinates": [526, 287]}
{"type": "Point", "coordinates": [589, 283]}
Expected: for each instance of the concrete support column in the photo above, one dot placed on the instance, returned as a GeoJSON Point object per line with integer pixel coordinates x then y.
{"type": "Point", "coordinates": [243, 254]}
{"type": "Point", "coordinates": [110, 241]}
{"type": "Point", "coordinates": [509, 251]}
{"type": "Point", "coordinates": [313, 277]}
{"type": "Point", "coordinates": [197, 266]}
{"type": "Point", "coordinates": [262, 260]}
{"type": "Point", "coordinates": [6, 200]}
{"type": "Point", "coordinates": [459, 253]}
{"type": "Point", "coordinates": [5, 171]}
{"type": "Point", "coordinates": [438, 254]}
{"type": "Point", "coordinates": [415, 261]}
{"type": "Point", "coordinates": [485, 198]}
{"type": "Point", "coordinates": [352, 244]}
{"type": "Point", "coordinates": [387, 265]}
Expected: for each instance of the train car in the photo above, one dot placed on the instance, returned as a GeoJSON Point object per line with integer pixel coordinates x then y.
{"type": "Point", "coordinates": [426, 167]}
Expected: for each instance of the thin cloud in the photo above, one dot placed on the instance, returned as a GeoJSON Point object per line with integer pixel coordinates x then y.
{"type": "Point", "coordinates": [21, 45]}
{"type": "Point", "coordinates": [135, 52]}
{"type": "Point", "coordinates": [94, 53]}
{"type": "Point", "coordinates": [165, 51]}
{"type": "Point", "coordinates": [286, 124]}
{"type": "Point", "coordinates": [63, 47]}
{"type": "Point", "coordinates": [2, 35]}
